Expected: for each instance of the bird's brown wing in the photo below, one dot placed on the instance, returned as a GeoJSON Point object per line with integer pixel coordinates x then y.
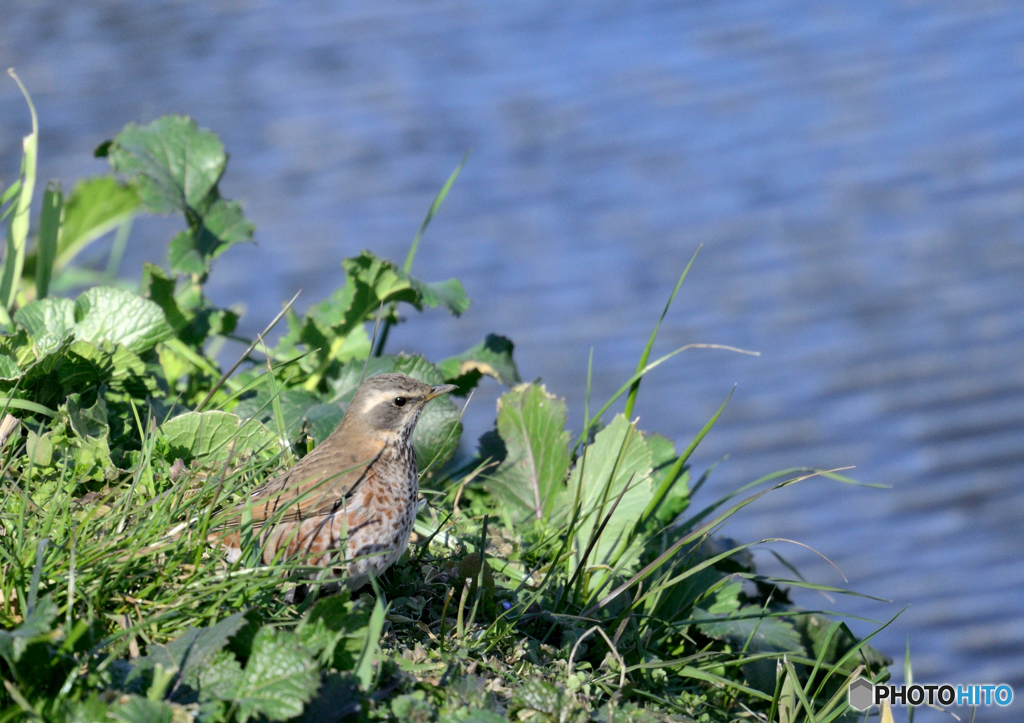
{"type": "Point", "coordinates": [317, 485]}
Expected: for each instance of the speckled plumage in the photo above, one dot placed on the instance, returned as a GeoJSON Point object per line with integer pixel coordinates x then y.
{"type": "Point", "coordinates": [351, 502]}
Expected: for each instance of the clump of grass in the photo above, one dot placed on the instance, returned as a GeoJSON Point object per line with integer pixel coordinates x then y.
{"type": "Point", "coordinates": [549, 577]}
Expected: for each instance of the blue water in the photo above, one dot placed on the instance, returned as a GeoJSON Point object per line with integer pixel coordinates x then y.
{"type": "Point", "coordinates": [854, 169]}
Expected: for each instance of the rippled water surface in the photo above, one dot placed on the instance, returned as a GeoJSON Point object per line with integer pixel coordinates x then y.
{"type": "Point", "coordinates": [854, 169]}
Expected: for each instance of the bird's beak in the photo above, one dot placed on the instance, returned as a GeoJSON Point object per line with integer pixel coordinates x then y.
{"type": "Point", "coordinates": [439, 390]}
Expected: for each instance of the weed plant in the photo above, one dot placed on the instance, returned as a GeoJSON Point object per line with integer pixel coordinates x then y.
{"type": "Point", "coordinates": [550, 577]}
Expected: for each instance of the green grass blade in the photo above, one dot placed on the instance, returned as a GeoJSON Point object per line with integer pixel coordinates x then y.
{"type": "Point", "coordinates": [653, 365]}
{"type": "Point", "coordinates": [49, 235]}
{"type": "Point", "coordinates": [17, 228]}
{"type": "Point", "coordinates": [364, 666]}
{"type": "Point", "coordinates": [438, 200]}
{"type": "Point", "coordinates": [677, 467]}
{"type": "Point", "coordinates": [631, 399]}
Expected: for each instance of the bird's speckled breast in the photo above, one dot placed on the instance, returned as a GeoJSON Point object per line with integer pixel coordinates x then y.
{"type": "Point", "coordinates": [373, 527]}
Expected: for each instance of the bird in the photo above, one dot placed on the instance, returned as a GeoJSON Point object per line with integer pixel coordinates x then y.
{"type": "Point", "coordinates": [351, 502]}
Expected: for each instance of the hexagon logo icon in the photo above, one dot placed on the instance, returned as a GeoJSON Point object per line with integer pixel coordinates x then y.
{"type": "Point", "coordinates": [861, 694]}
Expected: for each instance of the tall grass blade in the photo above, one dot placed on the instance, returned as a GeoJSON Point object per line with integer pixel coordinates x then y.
{"type": "Point", "coordinates": [677, 467]}
{"type": "Point", "coordinates": [640, 374]}
{"type": "Point", "coordinates": [364, 666]}
{"type": "Point", "coordinates": [17, 227]}
{"type": "Point", "coordinates": [438, 200]}
{"type": "Point", "coordinates": [415, 245]}
{"type": "Point", "coordinates": [49, 235]}
{"type": "Point", "coordinates": [631, 399]}
{"type": "Point", "coordinates": [247, 352]}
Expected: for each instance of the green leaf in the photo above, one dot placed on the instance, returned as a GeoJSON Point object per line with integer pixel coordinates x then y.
{"type": "Point", "coordinates": [280, 677]}
{"type": "Point", "coordinates": [88, 422]}
{"type": "Point", "coordinates": [814, 628]}
{"type": "Point", "coordinates": [192, 650]}
{"type": "Point", "coordinates": [95, 207]}
{"type": "Point", "coordinates": [220, 677]}
{"type": "Point", "coordinates": [321, 420]}
{"type": "Point", "coordinates": [173, 162]}
{"type": "Point", "coordinates": [120, 317]}
{"type": "Point", "coordinates": [491, 357]}
{"type": "Point", "coordinates": [142, 710]}
{"type": "Point", "coordinates": [49, 232]}
{"type": "Point", "coordinates": [84, 366]}
{"type": "Point", "coordinates": [9, 369]}
{"type": "Point", "coordinates": [201, 435]}
{"type": "Point", "coordinates": [17, 227]}
{"type": "Point", "coordinates": [159, 288]}
{"type": "Point", "coordinates": [378, 280]}
{"type": "Point", "coordinates": [364, 666]}
{"type": "Point", "coordinates": [677, 499]}
{"type": "Point", "coordinates": [618, 457]}
{"type": "Point", "coordinates": [36, 627]}
{"type": "Point", "coordinates": [90, 710]}
{"type": "Point", "coordinates": [39, 448]}
{"type": "Point", "coordinates": [765, 634]}
{"type": "Point", "coordinates": [531, 423]}
{"type": "Point", "coordinates": [540, 696]}
{"type": "Point", "coordinates": [48, 321]}
{"type": "Point", "coordinates": [449, 294]}
{"type": "Point", "coordinates": [294, 403]}
{"type": "Point", "coordinates": [335, 630]}
{"type": "Point", "coordinates": [223, 226]}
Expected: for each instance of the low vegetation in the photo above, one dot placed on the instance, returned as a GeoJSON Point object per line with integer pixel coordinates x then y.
{"type": "Point", "coordinates": [552, 576]}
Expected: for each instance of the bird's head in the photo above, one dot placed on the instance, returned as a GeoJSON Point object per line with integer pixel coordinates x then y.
{"type": "Point", "coordinates": [390, 404]}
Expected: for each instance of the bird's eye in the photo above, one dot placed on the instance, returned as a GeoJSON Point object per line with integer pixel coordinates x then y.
{"type": "Point", "coordinates": [400, 401]}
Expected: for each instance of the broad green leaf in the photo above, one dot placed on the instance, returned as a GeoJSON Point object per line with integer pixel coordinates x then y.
{"type": "Point", "coordinates": [85, 366]}
{"type": "Point", "coordinates": [279, 678]}
{"type": "Point", "coordinates": [192, 650]}
{"type": "Point", "coordinates": [142, 710]}
{"type": "Point", "coordinates": [618, 457]}
{"type": "Point", "coordinates": [531, 423]}
{"type": "Point", "coordinates": [220, 677]}
{"type": "Point", "coordinates": [338, 699]}
{"type": "Point", "coordinates": [90, 710]}
{"type": "Point", "coordinates": [205, 434]}
{"type": "Point", "coordinates": [380, 280]}
{"type": "Point", "coordinates": [491, 357]}
{"type": "Point", "coordinates": [88, 422]}
{"type": "Point", "coordinates": [48, 321]}
{"type": "Point", "coordinates": [663, 456]}
{"type": "Point", "coordinates": [174, 163]}
{"type": "Point", "coordinates": [814, 627]}
{"type": "Point", "coordinates": [765, 634]}
{"type": "Point", "coordinates": [201, 435]}
{"type": "Point", "coordinates": [224, 225]}
{"type": "Point", "coordinates": [95, 207]}
{"type": "Point", "coordinates": [321, 420]}
{"type": "Point", "coordinates": [120, 317]}
{"type": "Point", "coordinates": [39, 448]}
{"type": "Point", "coordinates": [9, 369]}
{"type": "Point", "coordinates": [159, 288]}
{"type": "Point", "coordinates": [448, 294]}
{"type": "Point", "coordinates": [294, 403]}
{"type": "Point", "coordinates": [37, 626]}
{"type": "Point", "coordinates": [336, 630]}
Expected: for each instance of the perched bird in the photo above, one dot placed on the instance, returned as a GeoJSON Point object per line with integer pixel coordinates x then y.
{"type": "Point", "coordinates": [354, 497]}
